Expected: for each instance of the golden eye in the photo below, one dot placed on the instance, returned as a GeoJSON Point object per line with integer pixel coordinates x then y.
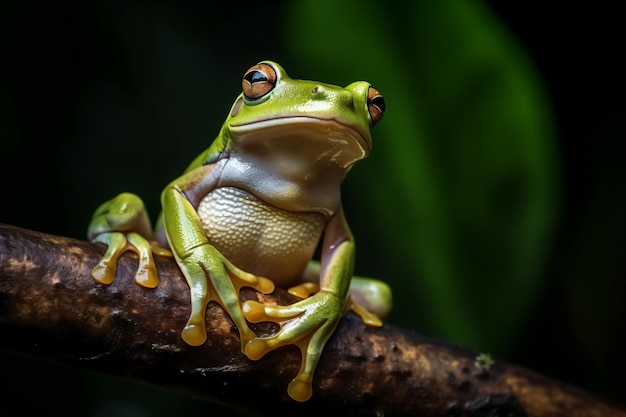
{"type": "Point", "coordinates": [375, 105]}
{"type": "Point", "coordinates": [258, 81]}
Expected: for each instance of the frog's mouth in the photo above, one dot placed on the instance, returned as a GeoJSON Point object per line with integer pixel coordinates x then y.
{"type": "Point", "coordinates": [323, 139]}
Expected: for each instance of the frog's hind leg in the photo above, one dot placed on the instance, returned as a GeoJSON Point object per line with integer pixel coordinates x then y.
{"type": "Point", "coordinates": [118, 243]}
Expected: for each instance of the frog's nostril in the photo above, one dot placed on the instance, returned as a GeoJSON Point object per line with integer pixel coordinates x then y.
{"type": "Point", "coordinates": [315, 90]}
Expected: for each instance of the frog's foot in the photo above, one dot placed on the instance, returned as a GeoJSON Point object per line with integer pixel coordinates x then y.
{"type": "Point", "coordinates": [308, 324]}
{"type": "Point", "coordinates": [306, 289]}
{"type": "Point", "coordinates": [371, 299]}
{"type": "Point", "coordinates": [212, 277]}
{"type": "Point", "coordinates": [118, 243]}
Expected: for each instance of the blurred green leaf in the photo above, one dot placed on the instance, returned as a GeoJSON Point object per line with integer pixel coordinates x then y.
{"type": "Point", "coordinates": [454, 208]}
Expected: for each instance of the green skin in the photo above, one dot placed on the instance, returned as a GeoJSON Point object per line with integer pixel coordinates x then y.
{"type": "Point", "coordinates": [251, 210]}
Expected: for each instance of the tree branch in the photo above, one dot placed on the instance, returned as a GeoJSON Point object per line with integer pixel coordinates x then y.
{"type": "Point", "coordinates": [52, 308]}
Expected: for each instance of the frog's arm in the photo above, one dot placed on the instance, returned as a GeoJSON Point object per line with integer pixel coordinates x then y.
{"type": "Point", "coordinates": [206, 158]}
{"type": "Point", "coordinates": [309, 323]}
{"type": "Point", "coordinates": [209, 274]}
{"type": "Point", "coordinates": [123, 224]}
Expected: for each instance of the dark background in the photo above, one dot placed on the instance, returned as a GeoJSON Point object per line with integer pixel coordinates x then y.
{"type": "Point", "coordinates": [58, 161]}
{"type": "Point", "coordinates": [576, 51]}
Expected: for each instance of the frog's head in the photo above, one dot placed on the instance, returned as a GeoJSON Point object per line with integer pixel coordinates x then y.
{"type": "Point", "coordinates": [276, 113]}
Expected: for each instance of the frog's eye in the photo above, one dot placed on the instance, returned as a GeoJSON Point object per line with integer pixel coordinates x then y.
{"type": "Point", "coordinates": [258, 81]}
{"type": "Point", "coordinates": [375, 104]}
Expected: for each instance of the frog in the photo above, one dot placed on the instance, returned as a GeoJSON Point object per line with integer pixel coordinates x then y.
{"type": "Point", "coordinates": [257, 208]}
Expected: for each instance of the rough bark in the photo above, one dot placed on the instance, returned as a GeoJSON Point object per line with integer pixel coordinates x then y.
{"type": "Point", "coordinates": [51, 308]}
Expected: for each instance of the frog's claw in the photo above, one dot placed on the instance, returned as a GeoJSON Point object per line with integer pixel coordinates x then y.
{"type": "Point", "coordinates": [306, 289]}
{"type": "Point", "coordinates": [212, 277]}
{"type": "Point", "coordinates": [118, 243]}
{"type": "Point", "coordinates": [308, 324]}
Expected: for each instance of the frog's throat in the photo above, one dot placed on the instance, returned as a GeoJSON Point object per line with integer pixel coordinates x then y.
{"type": "Point", "coordinates": [304, 126]}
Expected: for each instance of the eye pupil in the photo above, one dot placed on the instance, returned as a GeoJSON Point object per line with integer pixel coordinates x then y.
{"type": "Point", "coordinates": [379, 102]}
{"type": "Point", "coordinates": [258, 81]}
{"type": "Point", "coordinates": [255, 77]}
{"type": "Point", "coordinates": [375, 104]}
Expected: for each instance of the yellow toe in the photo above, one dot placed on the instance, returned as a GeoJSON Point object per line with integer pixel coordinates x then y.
{"type": "Point", "coordinates": [255, 349]}
{"type": "Point", "coordinates": [254, 311]}
{"type": "Point", "coordinates": [194, 334]}
{"type": "Point", "coordinates": [300, 389]}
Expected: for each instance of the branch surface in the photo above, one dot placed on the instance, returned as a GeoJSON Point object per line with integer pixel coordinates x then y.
{"type": "Point", "coordinates": [51, 308]}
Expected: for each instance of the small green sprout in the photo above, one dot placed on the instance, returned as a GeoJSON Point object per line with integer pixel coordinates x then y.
{"type": "Point", "coordinates": [485, 361]}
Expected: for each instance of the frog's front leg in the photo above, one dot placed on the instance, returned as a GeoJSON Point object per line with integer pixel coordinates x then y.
{"type": "Point", "coordinates": [211, 277]}
{"type": "Point", "coordinates": [309, 323]}
{"type": "Point", "coordinates": [122, 224]}
{"type": "Point", "coordinates": [370, 298]}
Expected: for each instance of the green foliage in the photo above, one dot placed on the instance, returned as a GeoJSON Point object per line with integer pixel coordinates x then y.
{"type": "Point", "coordinates": [485, 360]}
{"type": "Point", "coordinates": [455, 204]}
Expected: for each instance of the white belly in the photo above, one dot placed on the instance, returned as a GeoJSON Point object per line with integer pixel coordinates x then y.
{"type": "Point", "coordinates": [258, 237]}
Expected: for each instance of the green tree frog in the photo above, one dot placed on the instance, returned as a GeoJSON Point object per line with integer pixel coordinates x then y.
{"type": "Point", "coordinates": [252, 209]}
